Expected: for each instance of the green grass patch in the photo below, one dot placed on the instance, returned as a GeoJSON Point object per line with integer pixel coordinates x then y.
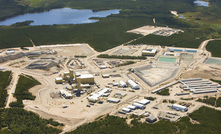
{"type": "Point", "coordinates": [4, 82]}
{"type": "Point", "coordinates": [214, 47]}
{"type": "Point", "coordinates": [164, 92]}
{"type": "Point", "coordinates": [19, 121]}
{"type": "Point", "coordinates": [25, 82]}
{"type": "Point", "coordinates": [208, 100]}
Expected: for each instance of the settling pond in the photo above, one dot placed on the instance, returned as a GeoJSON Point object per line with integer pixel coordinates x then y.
{"type": "Point", "coordinates": [60, 16]}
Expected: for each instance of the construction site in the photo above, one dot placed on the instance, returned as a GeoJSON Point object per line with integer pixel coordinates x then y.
{"type": "Point", "coordinates": [77, 86]}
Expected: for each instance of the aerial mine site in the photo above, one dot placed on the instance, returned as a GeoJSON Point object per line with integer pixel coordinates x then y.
{"type": "Point", "coordinates": [79, 84]}
{"type": "Point", "coordinates": [110, 67]}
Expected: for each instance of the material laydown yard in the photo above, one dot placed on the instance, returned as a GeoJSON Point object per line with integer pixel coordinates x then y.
{"type": "Point", "coordinates": [162, 31]}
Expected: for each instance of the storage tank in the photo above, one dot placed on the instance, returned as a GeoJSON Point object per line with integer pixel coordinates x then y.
{"type": "Point", "coordinates": [133, 84]}
{"type": "Point", "coordinates": [122, 84]}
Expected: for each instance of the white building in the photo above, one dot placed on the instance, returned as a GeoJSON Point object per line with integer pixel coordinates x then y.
{"type": "Point", "coordinates": [149, 52]}
{"type": "Point", "coordinates": [113, 100]}
{"type": "Point", "coordinates": [122, 84]}
{"type": "Point", "coordinates": [127, 110]}
{"type": "Point", "coordinates": [103, 67]}
{"type": "Point", "coordinates": [58, 80]}
{"type": "Point", "coordinates": [144, 102]}
{"type": "Point", "coordinates": [131, 107]}
{"type": "Point", "coordinates": [10, 52]}
{"type": "Point", "coordinates": [101, 93]}
{"type": "Point", "coordinates": [121, 94]}
{"type": "Point", "coordinates": [140, 106]}
{"type": "Point", "coordinates": [133, 84]}
{"type": "Point", "coordinates": [66, 94]}
{"type": "Point", "coordinates": [179, 107]}
{"type": "Point", "coordinates": [105, 75]}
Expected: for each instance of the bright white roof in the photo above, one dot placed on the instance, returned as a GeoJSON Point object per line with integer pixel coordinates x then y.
{"type": "Point", "coordinates": [86, 76]}
{"type": "Point", "coordinates": [130, 106]}
{"type": "Point", "coordinates": [144, 101]}
{"type": "Point", "coordinates": [148, 51]}
{"type": "Point", "coordinates": [105, 75]}
{"type": "Point", "coordinates": [59, 78]}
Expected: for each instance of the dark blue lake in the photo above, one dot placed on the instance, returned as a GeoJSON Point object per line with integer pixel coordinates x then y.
{"type": "Point", "coordinates": [60, 16]}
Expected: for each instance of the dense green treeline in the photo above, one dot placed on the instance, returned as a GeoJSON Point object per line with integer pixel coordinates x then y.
{"type": "Point", "coordinates": [4, 82]}
{"type": "Point", "coordinates": [19, 121]}
{"type": "Point", "coordinates": [214, 47]}
{"type": "Point", "coordinates": [164, 92]}
{"type": "Point", "coordinates": [209, 119]}
{"type": "Point", "coordinates": [21, 92]}
{"type": "Point", "coordinates": [211, 101]}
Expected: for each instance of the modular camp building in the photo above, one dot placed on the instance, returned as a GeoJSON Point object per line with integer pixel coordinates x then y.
{"type": "Point", "coordinates": [58, 80]}
{"type": "Point", "coordinates": [179, 107]}
{"type": "Point", "coordinates": [122, 84]}
{"type": "Point", "coordinates": [131, 107]}
{"type": "Point", "coordinates": [127, 110]}
{"type": "Point", "coordinates": [105, 75]}
{"type": "Point", "coordinates": [144, 102]}
{"type": "Point", "coordinates": [121, 94]}
{"type": "Point", "coordinates": [140, 106]}
{"type": "Point", "coordinates": [103, 67]}
{"type": "Point", "coordinates": [92, 98]}
{"type": "Point", "coordinates": [113, 100]}
{"type": "Point", "coordinates": [133, 84]}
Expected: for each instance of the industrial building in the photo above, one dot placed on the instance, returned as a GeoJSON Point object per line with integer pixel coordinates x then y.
{"type": "Point", "coordinates": [144, 102]}
{"type": "Point", "coordinates": [105, 75]}
{"type": "Point", "coordinates": [138, 105]}
{"type": "Point", "coordinates": [122, 84]}
{"type": "Point", "coordinates": [121, 94]}
{"type": "Point", "coordinates": [131, 107]}
{"type": "Point", "coordinates": [101, 93]}
{"type": "Point", "coordinates": [66, 94]}
{"type": "Point", "coordinates": [127, 110]}
{"type": "Point", "coordinates": [59, 80]}
{"type": "Point", "coordinates": [179, 108]}
{"type": "Point", "coordinates": [85, 79]}
{"type": "Point", "coordinates": [132, 84]}
{"type": "Point", "coordinates": [113, 100]}
{"type": "Point", "coordinates": [149, 52]}
{"type": "Point", "coordinates": [151, 119]}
